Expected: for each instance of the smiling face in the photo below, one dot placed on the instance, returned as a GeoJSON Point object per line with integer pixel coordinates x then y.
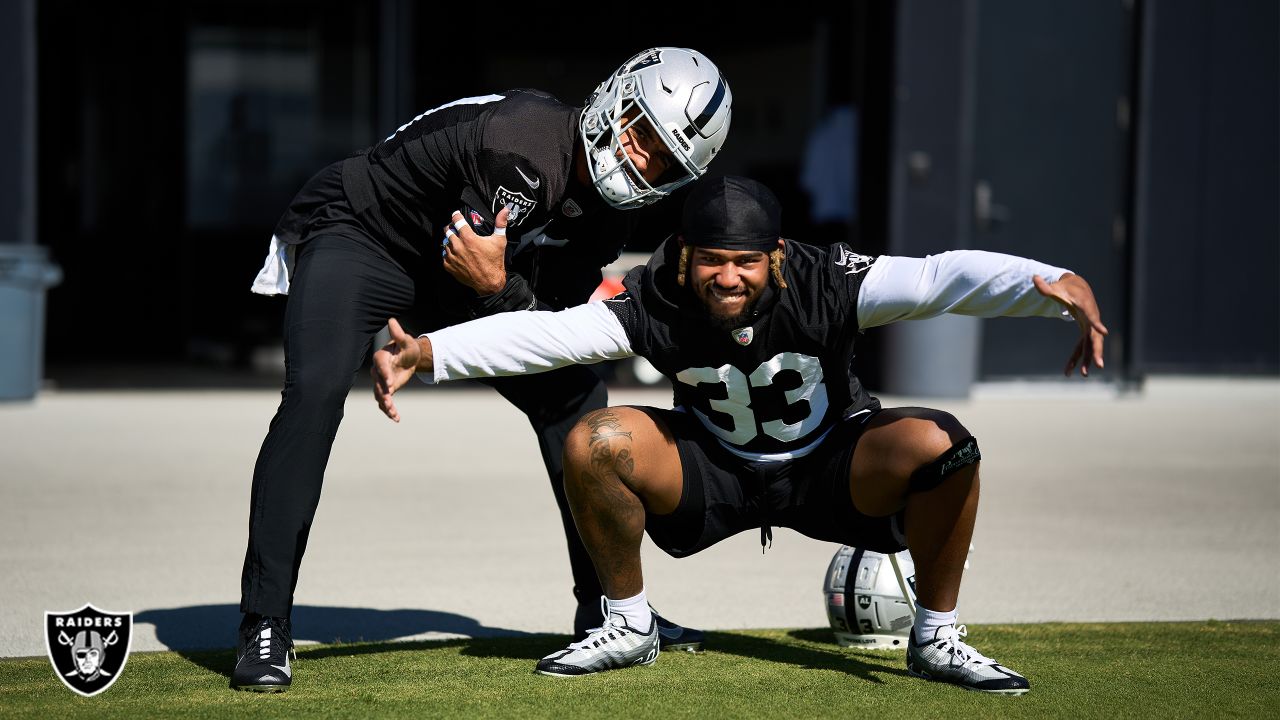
{"type": "Point", "coordinates": [728, 282]}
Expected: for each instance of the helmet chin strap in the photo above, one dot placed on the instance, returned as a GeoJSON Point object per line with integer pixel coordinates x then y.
{"type": "Point", "coordinates": [902, 584]}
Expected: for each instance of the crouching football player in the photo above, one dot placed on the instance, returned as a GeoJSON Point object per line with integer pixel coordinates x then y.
{"type": "Point", "coordinates": [770, 427]}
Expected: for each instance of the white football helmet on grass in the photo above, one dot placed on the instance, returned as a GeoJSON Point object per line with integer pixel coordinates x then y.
{"type": "Point", "coordinates": [682, 95]}
{"type": "Point", "coordinates": [870, 604]}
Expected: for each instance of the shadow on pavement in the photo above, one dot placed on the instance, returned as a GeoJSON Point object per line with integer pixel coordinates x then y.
{"type": "Point", "coordinates": [193, 632]}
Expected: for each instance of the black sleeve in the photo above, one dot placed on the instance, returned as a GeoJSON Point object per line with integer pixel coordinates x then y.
{"type": "Point", "coordinates": [515, 295]}
{"type": "Point", "coordinates": [565, 280]}
{"type": "Point", "coordinates": [626, 308]}
{"type": "Point", "coordinates": [568, 275]}
{"type": "Point", "coordinates": [845, 270]}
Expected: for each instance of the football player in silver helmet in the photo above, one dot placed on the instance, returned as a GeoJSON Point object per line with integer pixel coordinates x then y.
{"type": "Point", "coordinates": [372, 233]}
{"type": "Point", "coordinates": [672, 96]}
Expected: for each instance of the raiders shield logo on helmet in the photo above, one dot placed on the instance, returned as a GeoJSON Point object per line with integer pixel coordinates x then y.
{"type": "Point", "coordinates": [641, 60]}
{"type": "Point", "coordinates": [88, 647]}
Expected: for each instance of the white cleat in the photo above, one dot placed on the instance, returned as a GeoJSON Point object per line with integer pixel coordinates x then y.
{"type": "Point", "coordinates": [947, 658]}
{"type": "Point", "coordinates": [613, 645]}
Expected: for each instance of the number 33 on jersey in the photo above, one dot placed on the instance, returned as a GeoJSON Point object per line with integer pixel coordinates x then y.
{"type": "Point", "coordinates": [781, 391]}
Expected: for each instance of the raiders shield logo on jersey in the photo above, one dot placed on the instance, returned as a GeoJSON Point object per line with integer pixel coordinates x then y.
{"type": "Point", "coordinates": [519, 203]}
{"type": "Point", "coordinates": [88, 647]}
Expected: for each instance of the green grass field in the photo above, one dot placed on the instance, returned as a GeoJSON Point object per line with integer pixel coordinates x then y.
{"type": "Point", "coordinates": [1192, 670]}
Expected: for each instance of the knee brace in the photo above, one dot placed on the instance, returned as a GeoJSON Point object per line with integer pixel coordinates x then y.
{"type": "Point", "coordinates": [964, 452]}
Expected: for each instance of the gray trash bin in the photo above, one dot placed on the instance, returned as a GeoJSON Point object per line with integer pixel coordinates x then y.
{"type": "Point", "coordinates": [25, 275]}
{"type": "Point", "coordinates": [936, 358]}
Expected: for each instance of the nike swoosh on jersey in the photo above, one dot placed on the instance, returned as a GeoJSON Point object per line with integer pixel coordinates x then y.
{"type": "Point", "coordinates": [533, 184]}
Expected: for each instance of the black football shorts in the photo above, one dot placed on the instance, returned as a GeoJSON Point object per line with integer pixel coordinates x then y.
{"type": "Point", "coordinates": [725, 495]}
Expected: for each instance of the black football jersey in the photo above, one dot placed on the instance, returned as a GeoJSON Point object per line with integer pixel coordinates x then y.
{"type": "Point", "coordinates": [774, 386]}
{"type": "Point", "coordinates": [477, 155]}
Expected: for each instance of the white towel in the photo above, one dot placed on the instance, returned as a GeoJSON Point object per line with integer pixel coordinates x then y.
{"type": "Point", "coordinates": [273, 278]}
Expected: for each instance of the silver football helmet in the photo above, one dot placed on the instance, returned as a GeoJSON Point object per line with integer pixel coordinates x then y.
{"type": "Point", "coordinates": [870, 603]}
{"type": "Point", "coordinates": [682, 95]}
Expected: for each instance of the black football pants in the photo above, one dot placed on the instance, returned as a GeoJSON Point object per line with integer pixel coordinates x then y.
{"type": "Point", "coordinates": [343, 290]}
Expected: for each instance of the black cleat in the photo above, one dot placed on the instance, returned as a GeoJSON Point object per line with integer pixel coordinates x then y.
{"type": "Point", "coordinates": [675, 637]}
{"type": "Point", "coordinates": [262, 656]}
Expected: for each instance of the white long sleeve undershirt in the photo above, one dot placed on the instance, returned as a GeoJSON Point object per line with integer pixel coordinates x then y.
{"type": "Point", "coordinates": [961, 282]}
{"type": "Point", "coordinates": [966, 282]}
{"type": "Point", "coordinates": [513, 343]}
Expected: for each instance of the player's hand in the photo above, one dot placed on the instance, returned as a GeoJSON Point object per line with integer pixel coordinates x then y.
{"type": "Point", "coordinates": [477, 261]}
{"type": "Point", "coordinates": [393, 366]}
{"type": "Point", "coordinates": [1073, 293]}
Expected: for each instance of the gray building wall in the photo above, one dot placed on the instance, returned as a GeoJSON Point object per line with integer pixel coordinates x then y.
{"type": "Point", "coordinates": [17, 122]}
{"type": "Point", "coordinates": [1208, 194]}
{"type": "Point", "coordinates": [1134, 142]}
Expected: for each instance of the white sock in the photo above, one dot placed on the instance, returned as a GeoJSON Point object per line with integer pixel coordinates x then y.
{"type": "Point", "coordinates": [928, 621]}
{"type": "Point", "coordinates": [635, 610]}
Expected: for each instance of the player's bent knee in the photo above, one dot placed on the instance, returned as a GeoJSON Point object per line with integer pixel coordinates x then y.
{"type": "Point", "coordinates": [577, 445]}
{"type": "Point", "coordinates": [944, 429]}
{"type": "Point", "coordinates": [317, 390]}
{"type": "Point", "coordinates": [962, 453]}
{"type": "Point", "coordinates": [601, 435]}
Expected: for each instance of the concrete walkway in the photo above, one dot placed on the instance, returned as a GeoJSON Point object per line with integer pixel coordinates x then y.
{"type": "Point", "coordinates": [1163, 505]}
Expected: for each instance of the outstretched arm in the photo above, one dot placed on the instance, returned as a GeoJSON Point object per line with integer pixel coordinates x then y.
{"type": "Point", "coordinates": [1073, 293]}
{"type": "Point", "coordinates": [394, 364]}
{"type": "Point", "coordinates": [512, 343]}
{"type": "Point", "coordinates": [984, 284]}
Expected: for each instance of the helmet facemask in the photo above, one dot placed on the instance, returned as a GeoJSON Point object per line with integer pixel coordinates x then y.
{"type": "Point", "coordinates": [613, 173]}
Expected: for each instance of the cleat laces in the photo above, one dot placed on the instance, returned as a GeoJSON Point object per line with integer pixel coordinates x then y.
{"type": "Point", "coordinates": [959, 650]}
{"type": "Point", "coordinates": [609, 630]}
